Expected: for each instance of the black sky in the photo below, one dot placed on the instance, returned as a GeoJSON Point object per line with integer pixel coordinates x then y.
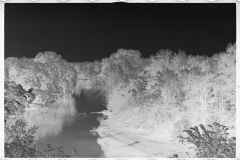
{"type": "Point", "coordinates": [87, 32]}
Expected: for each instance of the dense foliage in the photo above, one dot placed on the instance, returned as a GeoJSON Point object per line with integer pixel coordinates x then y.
{"type": "Point", "coordinates": [212, 142]}
{"type": "Point", "coordinates": [161, 91]}
{"type": "Point", "coordinates": [48, 74]}
{"type": "Point", "coordinates": [16, 99]}
{"type": "Point", "coordinates": [33, 83]}
{"type": "Point", "coordinates": [20, 143]}
{"type": "Point", "coordinates": [166, 92]}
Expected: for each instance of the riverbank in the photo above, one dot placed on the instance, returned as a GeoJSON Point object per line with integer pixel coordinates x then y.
{"type": "Point", "coordinates": [119, 141]}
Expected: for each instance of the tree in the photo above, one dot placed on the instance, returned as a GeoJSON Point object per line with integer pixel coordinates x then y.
{"type": "Point", "coordinates": [47, 73]}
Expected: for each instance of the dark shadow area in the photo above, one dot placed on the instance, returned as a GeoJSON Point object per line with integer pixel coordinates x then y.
{"type": "Point", "coordinates": [89, 101]}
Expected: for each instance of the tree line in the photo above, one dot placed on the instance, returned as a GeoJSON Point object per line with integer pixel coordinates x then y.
{"type": "Point", "coordinates": [170, 87]}
{"type": "Point", "coordinates": [165, 89]}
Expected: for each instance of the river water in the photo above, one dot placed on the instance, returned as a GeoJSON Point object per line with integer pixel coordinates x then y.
{"type": "Point", "coordinates": [67, 124]}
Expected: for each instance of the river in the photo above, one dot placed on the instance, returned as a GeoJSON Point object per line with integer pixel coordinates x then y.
{"type": "Point", "coordinates": [67, 124]}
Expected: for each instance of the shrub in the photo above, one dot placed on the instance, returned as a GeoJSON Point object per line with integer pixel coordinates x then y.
{"type": "Point", "coordinates": [212, 143]}
{"type": "Point", "coordinates": [57, 153]}
{"type": "Point", "coordinates": [20, 143]}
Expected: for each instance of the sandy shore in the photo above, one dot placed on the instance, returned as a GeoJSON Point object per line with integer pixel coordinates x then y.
{"type": "Point", "coordinates": [125, 142]}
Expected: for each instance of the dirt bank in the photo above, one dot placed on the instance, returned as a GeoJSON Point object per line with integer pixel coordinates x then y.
{"type": "Point", "coordinates": [123, 141]}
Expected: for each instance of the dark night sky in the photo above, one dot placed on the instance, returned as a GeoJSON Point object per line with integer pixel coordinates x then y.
{"type": "Point", "coordinates": [88, 32]}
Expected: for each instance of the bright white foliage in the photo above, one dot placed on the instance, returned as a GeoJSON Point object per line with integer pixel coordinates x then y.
{"type": "Point", "coordinates": [47, 72]}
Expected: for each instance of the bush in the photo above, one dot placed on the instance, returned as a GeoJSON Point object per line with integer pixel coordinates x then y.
{"type": "Point", "coordinates": [20, 143]}
{"type": "Point", "coordinates": [57, 153]}
{"type": "Point", "coordinates": [212, 143]}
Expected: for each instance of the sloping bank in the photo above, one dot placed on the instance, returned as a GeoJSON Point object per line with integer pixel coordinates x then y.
{"type": "Point", "coordinates": [118, 141]}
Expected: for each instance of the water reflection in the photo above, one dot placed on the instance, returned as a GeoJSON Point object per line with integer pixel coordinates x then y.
{"type": "Point", "coordinates": [51, 120]}
{"type": "Point", "coordinates": [68, 124]}
{"type": "Point", "coordinates": [89, 101]}
{"type": "Point", "coordinates": [82, 85]}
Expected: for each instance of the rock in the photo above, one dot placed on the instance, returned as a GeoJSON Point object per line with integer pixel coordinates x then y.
{"type": "Point", "coordinates": [29, 97]}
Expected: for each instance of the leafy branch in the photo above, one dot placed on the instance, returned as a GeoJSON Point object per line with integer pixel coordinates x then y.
{"type": "Point", "coordinates": [212, 142]}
